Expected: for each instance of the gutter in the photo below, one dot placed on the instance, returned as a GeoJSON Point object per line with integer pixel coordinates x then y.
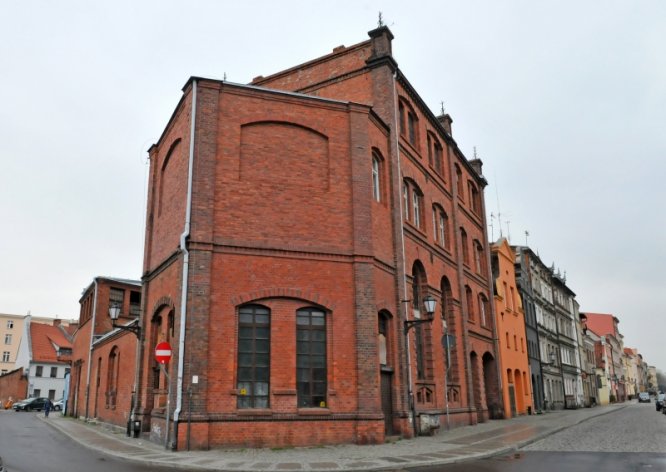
{"type": "Point", "coordinates": [186, 263]}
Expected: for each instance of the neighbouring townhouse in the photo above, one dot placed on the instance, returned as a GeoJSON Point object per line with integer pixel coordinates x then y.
{"type": "Point", "coordinates": [299, 229]}
{"type": "Point", "coordinates": [609, 349]}
{"type": "Point", "coordinates": [103, 374]}
{"type": "Point", "coordinates": [44, 355]}
{"type": "Point", "coordinates": [588, 364]}
{"type": "Point", "coordinates": [523, 272]}
{"type": "Point", "coordinates": [513, 345]}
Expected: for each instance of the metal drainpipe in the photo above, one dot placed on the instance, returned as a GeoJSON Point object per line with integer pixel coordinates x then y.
{"type": "Point", "coordinates": [186, 264]}
{"type": "Point", "coordinates": [410, 392]}
{"type": "Point", "coordinates": [92, 338]}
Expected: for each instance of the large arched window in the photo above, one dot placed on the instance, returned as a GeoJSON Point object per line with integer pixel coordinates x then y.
{"type": "Point", "coordinates": [484, 314]}
{"type": "Point", "coordinates": [254, 353]}
{"type": "Point", "coordinates": [312, 374]}
{"type": "Point", "coordinates": [479, 260]}
{"type": "Point", "coordinates": [435, 154]}
{"type": "Point", "coordinates": [383, 338]}
{"type": "Point", "coordinates": [408, 122]}
{"type": "Point", "coordinates": [419, 290]}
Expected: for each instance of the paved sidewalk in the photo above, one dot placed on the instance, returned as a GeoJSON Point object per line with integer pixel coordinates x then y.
{"type": "Point", "coordinates": [460, 444]}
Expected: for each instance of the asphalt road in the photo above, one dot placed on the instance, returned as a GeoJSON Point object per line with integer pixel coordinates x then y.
{"type": "Point", "coordinates": [29, 445]}
{"type": "Point", "coordinates": [631, 439]}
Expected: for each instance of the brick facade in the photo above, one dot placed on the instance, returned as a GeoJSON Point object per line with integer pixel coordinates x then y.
{"type": "Point", "coordinates": [320, 188]}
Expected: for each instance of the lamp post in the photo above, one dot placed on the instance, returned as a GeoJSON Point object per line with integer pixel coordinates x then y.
{"type": "Point", "coordinates": [430, 304]}
{"type": "Point", "coordinates": [114, 313]}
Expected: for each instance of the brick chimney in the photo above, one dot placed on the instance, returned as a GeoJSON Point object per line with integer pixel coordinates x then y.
{"type": "Point", "coordinates": [381, 42]}
{"type": "Point", "coordinates": [446, 120]}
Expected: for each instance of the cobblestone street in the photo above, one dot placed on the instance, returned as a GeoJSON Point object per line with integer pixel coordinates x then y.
{"type": "Point", "coordinates": [637, 428]}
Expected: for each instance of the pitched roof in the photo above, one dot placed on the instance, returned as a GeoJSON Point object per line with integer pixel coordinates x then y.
{"type": "Point", "coordinates": [601, 323]}
{"type": "Point", "coordinates": [45, 339]}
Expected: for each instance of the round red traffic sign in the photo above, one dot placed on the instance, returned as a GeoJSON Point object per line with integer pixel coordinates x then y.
{"type": "Point", "coordinates": [163, 352]}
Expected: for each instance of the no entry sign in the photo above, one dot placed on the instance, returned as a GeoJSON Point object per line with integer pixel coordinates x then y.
{"type": "Point", "coordinates": [163, 353]}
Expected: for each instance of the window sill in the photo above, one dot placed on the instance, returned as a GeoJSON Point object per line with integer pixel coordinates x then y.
{"type": "Point", "coordinates": [314, 411]}
{"type": "Point", "coordinates": [254, 412]}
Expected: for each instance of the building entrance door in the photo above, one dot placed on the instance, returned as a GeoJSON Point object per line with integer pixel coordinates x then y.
{"type": "Point", "coordinates": [387, 401]}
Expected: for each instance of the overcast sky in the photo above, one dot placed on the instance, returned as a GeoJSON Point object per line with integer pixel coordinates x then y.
{"type": "Point", "coordinates": [565, 102]}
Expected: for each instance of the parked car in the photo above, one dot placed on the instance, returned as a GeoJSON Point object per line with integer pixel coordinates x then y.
{"type": "Point", "coordinates": [30, 404]}
{"type": "Point", "coordinates": [644, 397]}
{"type": "Point", "coordinates": [59, 405]}
{"type": "Point", "coordinates": [659, 402]}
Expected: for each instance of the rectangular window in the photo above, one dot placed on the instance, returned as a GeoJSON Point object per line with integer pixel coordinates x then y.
{"type": "Point", "coordinates": [405, 198]}
{"type": "Point", "coordinates": [254, 336]}
{"type": "Point", "coordinates": [51, 395]}
{"type": "Point", "coordinates": [37, 392]}
{"type": "Point", "coordinates": [311, 371]}
{"type": "Point", "coordinates": [135, 303]}
{"type": "Point", "coordinates": [38, 371]}
{"type": "Point", "coordinates": [117, 297]}
{"type": "Point", "coordinates": [5, 356]}
{"type": "Point", "coordinates": [54, 372]}
{"type": "Point", "coordinates": [10, 324]}
{"type": "Point", "coordinates": [8, 339]}
{"type": "Point", "coordinates": [375, 179]}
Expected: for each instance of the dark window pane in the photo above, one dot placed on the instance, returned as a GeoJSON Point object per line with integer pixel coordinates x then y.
{"type": "Point", "coordinates": [245, 373]}
{"type": "Point", "coordinates": [318, 335]}
{"type": "Point", "coordinates": [245, 332]}
{"type": "Point", "coordinates": [302, 361]}
{"type": "Point", "coordinates": [302, 335]}
{"type": "Point", "coordinates": [319, 374]}
{"type": "Point", "coordinates": [319, 401]}
{"type": "Point", "coordinates": [318, 361]}
{"type": "Point", "coordinates": [244, 402]}
{"type": "Point", "coordinates": [262, 333]}
{"type": "Point", "coordinates": [245, 318]}
{"type": "Point", "coordinates": [262, 360]}
{"type": "Point", "coordinates": [261, 319]}
{"type": "Point", "coordinates": [263, 373]}
{"type": "Point", "coordinates": [303, 347]}
{"type": "Point", "coordinates": [262, 345]}
{"type": "Point", "coordinates": [245, 345]}
{"type": "Point", "coordinates": [245, 360]}
{"type": "Point", "coordinates": [302, 320]}
{"type": "Point", "coordinates": [319, 388]}
{"type": "Point", "coordinates": [303, 375]}
{"type": "Point", "coordinates": [318, 348]}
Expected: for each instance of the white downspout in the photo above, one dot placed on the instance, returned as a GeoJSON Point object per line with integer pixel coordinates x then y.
{"type": "Point", "coordinates": [410, 392]}
{"type": "Point", "coordinates": [186, 263]}
{"type": "Point", "coordinates": [92, 339]}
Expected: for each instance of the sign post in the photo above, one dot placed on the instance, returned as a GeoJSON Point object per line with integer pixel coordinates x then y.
{"type": "Point", "coordinates": [163, 356]}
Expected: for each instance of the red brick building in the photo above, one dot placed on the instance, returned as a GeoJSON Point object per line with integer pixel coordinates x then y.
{"type": "Point", "coordinates": [103, 357]}
{"type": "Point", "coordinates": [293, 226]}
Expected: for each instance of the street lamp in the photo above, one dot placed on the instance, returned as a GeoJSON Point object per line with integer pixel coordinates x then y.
{"type": "Point", "coordinates": [430, 305]}
{"type": "Point", "coordinates": [114, 313]}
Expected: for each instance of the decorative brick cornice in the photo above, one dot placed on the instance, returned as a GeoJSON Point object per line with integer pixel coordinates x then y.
{"type": "Point", "coordinates": [283, 292]}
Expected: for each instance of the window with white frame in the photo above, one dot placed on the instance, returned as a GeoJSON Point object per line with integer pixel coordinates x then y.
{"type": "Point", "coordinates": [8, 339]}
{"type": "Point", "coordinates": [5, 356]}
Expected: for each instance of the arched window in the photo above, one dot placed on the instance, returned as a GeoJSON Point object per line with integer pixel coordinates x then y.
{"type": "Point", "coordinates": [254, 353]}
{"type": "Point", "coordinates": [377, 164]}
{"type": "Point", "coordinates": [112, 377]}
{"type": "Point", "coordinates": [463, 243]}
{"type": "Point", "coordinates": [470, 303]}
{"type": "Point", "coordinates": [408, 122]}
{"type": "Point", "coordinates": [440, 223]}
{"type": "Point", "coordinates": [383, 342]}
{"type": "Point", "coordinates": [483, 310]}
{"type": "Point", "coordinates": [478, 258]}
{"type": "Point", "coordinates": [311, 371]}
{"type": "Point", "coordinates": [475, 200]}
{"type": "Point", "coordinates": [419, 288]}
{"type": "Point", "coordinates": [459, 183]}
{"type": "Point", "coordinates": [413, 202]}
